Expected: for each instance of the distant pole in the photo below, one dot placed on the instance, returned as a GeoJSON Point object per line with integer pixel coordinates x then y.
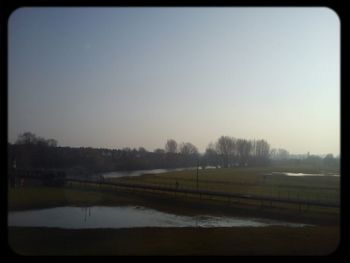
{"type": "Point", "coordinates": [197, 173]}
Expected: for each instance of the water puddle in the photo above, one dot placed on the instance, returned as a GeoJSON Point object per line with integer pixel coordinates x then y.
{"type": "Point", "coordinates": [126, 217]}
{"type": "Point", "coordinates": [117, 174]}
{"type": "Point", "coordinates": [302, 174]}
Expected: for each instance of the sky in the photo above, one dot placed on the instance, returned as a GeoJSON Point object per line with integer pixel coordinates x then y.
{"type": "Point", "coordinates": [132, 77]}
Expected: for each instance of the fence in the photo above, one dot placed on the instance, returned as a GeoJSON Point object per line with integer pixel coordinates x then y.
{"type": "Point", "coordinates": [176, 190]}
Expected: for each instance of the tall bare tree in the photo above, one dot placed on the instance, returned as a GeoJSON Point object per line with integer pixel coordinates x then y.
{"type": "Point", "coordinates": [171, 146]}
{"type": "Point", "coordinates": [226, 148]}
{"type": "Point", "coordinates": [262, 151]}
{"type": "Point", "coordinates": [211, 156]}
{"type": "Point", "coordinates": [188, 149]}
{"type": "Point", "coordinates": [27, 138]}
{"type": "Point", "coordinates": [243, 150]}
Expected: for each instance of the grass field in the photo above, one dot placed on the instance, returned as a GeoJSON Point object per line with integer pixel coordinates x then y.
{"type": "Point", "coordinates": [320, 239]}
{"type": "Point", "coordinates": [251, 181]}
{"type": "Point", "coordinates": [45, 197]}
{"type": "Point", "coordinates": [257, 180]}
{"type": "Point", "coordinates": [233, 180]}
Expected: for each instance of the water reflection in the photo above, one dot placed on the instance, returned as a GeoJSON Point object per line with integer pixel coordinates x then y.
{"type": "Point", "coordinates": [141, 172]}
{"type": "Point", "coordinates": [86, 211]}
{"type": "Point", "coordinates": [116, 174]}
{"type": "Point", "coordinates": [302, 174]}
{"type": "Point", "coordinates": [126, 217]}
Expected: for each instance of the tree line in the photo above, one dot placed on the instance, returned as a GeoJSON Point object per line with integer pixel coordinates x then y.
{"type": "Point", "coordinates": [33, 152]}
{"type": "Point", "coordinates": [230, 152]}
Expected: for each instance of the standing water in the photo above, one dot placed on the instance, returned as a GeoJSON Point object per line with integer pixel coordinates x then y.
{"type": "Point", "coordinates": [302, 174]}
{"type": "Point", "coordinates": [126, 217]}
{"type": "Point", "coordinates": [141, 172]}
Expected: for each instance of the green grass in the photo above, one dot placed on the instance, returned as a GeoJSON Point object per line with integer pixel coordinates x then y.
{"type": "Point", "coordinates": [237, 180]}
{"type": "Point", "coordinates": [316, 240]}
{"type": "Point", "coordinates": [251, 181]}
{"type": "Point", "coordinates": [45, 197]}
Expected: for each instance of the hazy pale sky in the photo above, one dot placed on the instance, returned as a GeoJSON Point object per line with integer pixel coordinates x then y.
{"type": "Point", "coordinates": [131, 77]}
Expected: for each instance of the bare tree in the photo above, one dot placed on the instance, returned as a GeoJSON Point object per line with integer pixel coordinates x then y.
{"type": "Point", "coordinates": [273, 153]}
{"type": "Point", "coordinates": [329, 160]}
{"type": "Point", "coordinates": [211, 156]}
{"type": "Point", "coordinates": [171, 146]}
{"type": "Point", "coordinates": [226, 148]}
{"type": "Point", "coordinates": [142, 150]}
{"type": "Point", "coordinates": [262, 151]}
{"type": "Point", "coordinates": [188, 149]}
{"type": "Point", "coordinates": [159, 151]}
{"type": "Point", "coordinates": [243, 150]}
{"type": "Point", "coordinates": [27, 138]}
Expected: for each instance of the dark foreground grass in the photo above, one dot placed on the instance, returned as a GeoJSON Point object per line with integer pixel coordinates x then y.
{"type": "Point", "coordinates": [274, 240]}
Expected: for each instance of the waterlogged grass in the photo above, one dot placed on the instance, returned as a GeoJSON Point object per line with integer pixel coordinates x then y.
{"type": "Point", "coordinates": [76, 195]}
{"type": "Point", "coordinates": [234, 180]}
{"type": "Point", "coordinates": [320, 239]}
{"type": "Point", "coordinates": [255, 181]}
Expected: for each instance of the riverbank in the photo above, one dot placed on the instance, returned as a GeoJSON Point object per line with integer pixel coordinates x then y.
{"type": "Point", "coordinates": [275, 240]}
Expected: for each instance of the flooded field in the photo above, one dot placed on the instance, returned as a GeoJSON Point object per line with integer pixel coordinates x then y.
{"type": "Point", "coordinates": [303, 174]}
{"type": "Point", "coordinates": [117, 174]}
{"type": "Point", "coordinates": [127, 217]}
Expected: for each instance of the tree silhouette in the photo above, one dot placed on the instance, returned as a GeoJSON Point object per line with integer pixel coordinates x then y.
{"type": "Point", "coordinates": [171, 146]}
